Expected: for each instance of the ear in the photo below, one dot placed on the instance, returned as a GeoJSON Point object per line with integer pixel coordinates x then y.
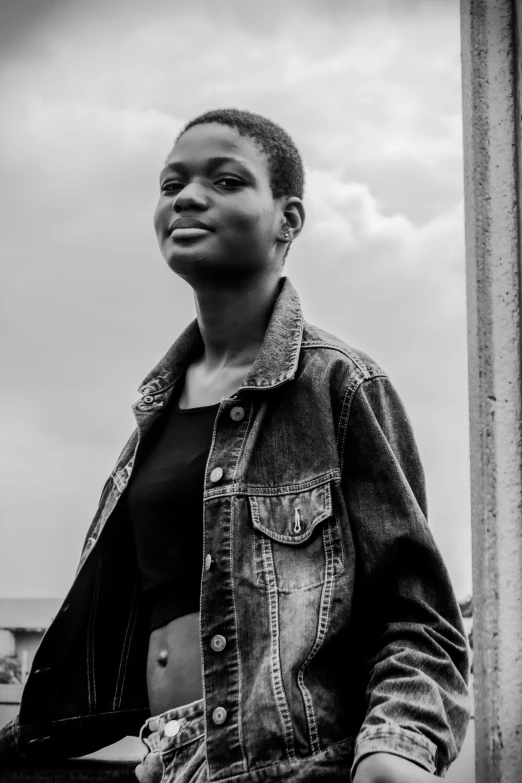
{"type": "Point", "coordinates": [294, 217]}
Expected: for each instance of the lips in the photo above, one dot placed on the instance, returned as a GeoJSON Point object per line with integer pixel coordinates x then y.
{"type": "Point", "coordinates": [186, 229]}
{"type": "Point", "coordinates": [187, 222]}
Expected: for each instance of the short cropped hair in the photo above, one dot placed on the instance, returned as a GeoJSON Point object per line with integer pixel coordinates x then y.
{"type": "Point", "coordinates": [285, 166]}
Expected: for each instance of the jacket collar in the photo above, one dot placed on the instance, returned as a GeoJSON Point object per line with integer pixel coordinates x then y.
{"type": "Point", "coordinates": [275, 363]}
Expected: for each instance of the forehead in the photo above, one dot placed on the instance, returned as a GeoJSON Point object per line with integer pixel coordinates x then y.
{"type": "Point", "coordinates": [213, 140]}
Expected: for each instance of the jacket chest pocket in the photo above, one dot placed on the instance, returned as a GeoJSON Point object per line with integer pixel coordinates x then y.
{"type": "Point", "coordinates": [296, 539]}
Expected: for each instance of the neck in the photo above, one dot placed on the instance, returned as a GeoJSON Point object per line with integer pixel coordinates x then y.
{"type": "Point", "coordinates": [233, 321]}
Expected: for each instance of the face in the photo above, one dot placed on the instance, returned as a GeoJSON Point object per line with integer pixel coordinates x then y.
{"type": "Point", "coordinates": [216, 213]}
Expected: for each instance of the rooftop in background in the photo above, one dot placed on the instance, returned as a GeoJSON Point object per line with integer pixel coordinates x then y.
{"type": "Point", "coordinates": [28, 614]}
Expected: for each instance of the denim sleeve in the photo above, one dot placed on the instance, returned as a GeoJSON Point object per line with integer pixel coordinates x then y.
{"type": "Point", "coordinates": [415, 650]}
{"type": "Point", "coordinates": [9, 752]}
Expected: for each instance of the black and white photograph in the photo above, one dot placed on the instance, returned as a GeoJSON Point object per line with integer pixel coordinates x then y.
{"type": "Point", "coordinates": [261, 505]}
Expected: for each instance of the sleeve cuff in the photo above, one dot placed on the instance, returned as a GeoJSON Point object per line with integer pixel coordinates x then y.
{"type": "Point", "coordinates": [9, 738]}
{"type": "Point", "coordinates": [401, 742]}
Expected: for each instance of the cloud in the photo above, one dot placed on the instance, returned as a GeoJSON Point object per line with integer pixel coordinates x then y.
{"type": "Point", "coordinates": [370, 92]}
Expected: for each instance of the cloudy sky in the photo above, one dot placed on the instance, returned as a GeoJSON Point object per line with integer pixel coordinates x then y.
{"type": "Point", "coordinates": [92, 94]}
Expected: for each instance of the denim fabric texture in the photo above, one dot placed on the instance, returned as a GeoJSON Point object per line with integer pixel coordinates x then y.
{"type": "Point", "coordinates": [342, 632]}
{"type": "Point", "coordinates": [175, 746]}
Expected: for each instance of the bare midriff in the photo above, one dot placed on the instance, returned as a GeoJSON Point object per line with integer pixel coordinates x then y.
{"type": "Point", "coordinates": [174, 667]}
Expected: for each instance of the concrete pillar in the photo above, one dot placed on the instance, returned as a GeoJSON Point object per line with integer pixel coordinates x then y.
{"type": "Point", "coordinates": [491, 67]}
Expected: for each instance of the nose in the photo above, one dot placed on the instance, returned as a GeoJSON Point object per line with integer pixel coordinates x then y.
{"type": "Point", "coordinates": [188, 198]}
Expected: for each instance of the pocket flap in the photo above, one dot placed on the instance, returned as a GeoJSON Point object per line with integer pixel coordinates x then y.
{"type": "Point", "coordinates": [291, 518]}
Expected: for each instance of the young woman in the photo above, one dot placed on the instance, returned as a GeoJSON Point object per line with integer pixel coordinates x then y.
{"type": "Point", "coordinates": [259, 590]}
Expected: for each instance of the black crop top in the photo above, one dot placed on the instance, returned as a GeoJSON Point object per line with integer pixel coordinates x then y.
{"type": "Point", "coordinates": [164, 501]}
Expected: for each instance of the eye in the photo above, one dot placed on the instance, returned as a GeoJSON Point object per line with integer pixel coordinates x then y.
{"type": "Point", "coordinates": [229, 183]}
{"type": "Point", "coordinates": [171, 186]}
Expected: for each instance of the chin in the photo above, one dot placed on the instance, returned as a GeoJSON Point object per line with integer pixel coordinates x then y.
{"type": "Point", "coordinates": [196, 267]}
{"type": "Point", "coordinates": [186, 264]}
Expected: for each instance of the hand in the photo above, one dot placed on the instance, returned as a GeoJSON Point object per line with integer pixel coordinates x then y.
{"type": "Point", "coordinates": [388, 768]}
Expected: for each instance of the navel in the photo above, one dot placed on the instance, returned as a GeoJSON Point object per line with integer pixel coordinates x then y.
{"type": "Point", "coordinates": [163, 658]}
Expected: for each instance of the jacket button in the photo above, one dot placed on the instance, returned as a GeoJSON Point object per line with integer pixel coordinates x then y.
{"type": "Point", "coordinates": [208, 562]}
{"type": "Point", "coordinates": [218, 643]}
{"type": "Point", "coordinates": [148, 398]}
{"type": "Point", "coordinates": [216, 474]}
{"type": "Point", "coordinates": [237, 414]}
{"type": "Point", "coordinates": [172, 728]}
{"type": "Point", "coordinates": [219, 715]}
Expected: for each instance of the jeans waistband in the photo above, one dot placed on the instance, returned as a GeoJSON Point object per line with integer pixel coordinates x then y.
{"type": "Point", "coordinates": [175, 727]}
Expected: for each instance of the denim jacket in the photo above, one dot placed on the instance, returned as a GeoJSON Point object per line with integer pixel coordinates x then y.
{"type": "Point", "coordinates": [342, 634]}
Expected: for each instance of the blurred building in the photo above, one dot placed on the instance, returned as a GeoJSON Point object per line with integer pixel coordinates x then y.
{"type": "Point", "coordinates": [23, 622]}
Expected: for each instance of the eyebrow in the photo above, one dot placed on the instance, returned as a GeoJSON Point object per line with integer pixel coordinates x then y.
{"type": "Point", "coordinates": [212, 164]}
